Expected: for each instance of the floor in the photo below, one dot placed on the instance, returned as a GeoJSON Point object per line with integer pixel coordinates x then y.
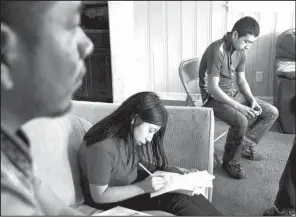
{"type": "Point", "coordinates": [257, 192]}
{"type": "Point", "coordinates": [251, 196]}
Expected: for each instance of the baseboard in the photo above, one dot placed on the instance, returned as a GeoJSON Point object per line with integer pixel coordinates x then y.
{"type": "Point", "coordinates": [177, 96]}
{"type": "Point", "coordinates": [196, 96]}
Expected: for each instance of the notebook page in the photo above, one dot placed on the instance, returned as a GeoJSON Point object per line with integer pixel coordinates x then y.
{"type": "Point", "coordinates": [188, 182]}
{"type": "Point", "coordinates": [172, 182]}
{"type": "Point", "coordinates": [121, 211]}
{"type": "Point", "coordinates": [200, 179]}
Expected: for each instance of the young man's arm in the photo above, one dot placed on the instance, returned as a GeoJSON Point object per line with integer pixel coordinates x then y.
{"type": "Point", "coordinates": [243, 85]}
{"type": "Point", "coordinates": [218, 94]}
{"type": "Point", "coordinates": [244, 88]}
{"type": "Point", "coordinates": [214, 65]}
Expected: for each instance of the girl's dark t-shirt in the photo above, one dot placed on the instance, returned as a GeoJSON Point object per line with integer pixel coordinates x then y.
{"type": "Point", "coordinates": [105, 163]}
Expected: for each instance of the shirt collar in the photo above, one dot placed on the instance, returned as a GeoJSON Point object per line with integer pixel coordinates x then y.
{"type": "Point", "coordinates": [20, 133]}
{"type": "Point", "coordinates": [19, 138]}
{"type": "Point", "coordinates": [17, 149]}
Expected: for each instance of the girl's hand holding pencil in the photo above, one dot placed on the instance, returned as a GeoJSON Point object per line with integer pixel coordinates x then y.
{"type": "Point", "coordinates": [151, 183]}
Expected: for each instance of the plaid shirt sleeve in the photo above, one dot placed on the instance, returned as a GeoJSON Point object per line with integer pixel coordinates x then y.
{"type": "Point", "coordinates": [16, 199]}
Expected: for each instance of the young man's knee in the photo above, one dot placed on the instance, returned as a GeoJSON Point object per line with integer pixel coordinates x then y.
{"type": "Point", "coordinates": [272, 112]}
{"type": "Point", "coordinates": [241, 124]}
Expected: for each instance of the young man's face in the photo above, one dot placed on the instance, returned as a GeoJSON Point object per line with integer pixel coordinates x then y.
{"type": "Point", "coordinates": [53, 69]}
{"type": "Point", "coordinates": [243, 42]}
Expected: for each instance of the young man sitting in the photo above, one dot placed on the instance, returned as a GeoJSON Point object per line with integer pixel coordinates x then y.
{"type": "Point", "coordinates": [222, 62]}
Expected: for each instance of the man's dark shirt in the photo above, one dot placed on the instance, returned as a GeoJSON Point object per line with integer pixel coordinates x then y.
{"type": "Point", "coordinates": [220, 59]}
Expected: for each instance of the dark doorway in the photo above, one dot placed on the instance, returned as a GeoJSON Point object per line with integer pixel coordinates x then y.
{"type": "Point", "coordinates": [97, 83]}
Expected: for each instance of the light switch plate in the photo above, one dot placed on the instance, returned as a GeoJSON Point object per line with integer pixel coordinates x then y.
{"type": "Point", "coordinates": [259, 76]}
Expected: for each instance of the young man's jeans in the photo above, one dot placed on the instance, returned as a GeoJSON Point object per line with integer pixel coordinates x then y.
{"type": "Point", "coordinates": [285, 198]}
{"type": "Point", "coordinates": [243, 133]}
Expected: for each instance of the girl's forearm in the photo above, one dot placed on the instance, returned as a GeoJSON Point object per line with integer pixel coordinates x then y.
{"type": "Point", "coordinates": [119, 193]}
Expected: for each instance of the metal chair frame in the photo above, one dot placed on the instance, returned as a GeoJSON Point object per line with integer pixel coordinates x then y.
{"type": "Point", "coordinates": [188, 72]}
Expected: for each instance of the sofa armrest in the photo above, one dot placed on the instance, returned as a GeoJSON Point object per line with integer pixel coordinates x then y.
{"type": "Point", "coordinates": [189, 138]}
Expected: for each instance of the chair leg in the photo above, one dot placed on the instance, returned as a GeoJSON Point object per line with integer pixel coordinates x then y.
{"type": "Point", "coordinates": [216, 158]}
{"type": "Point", "coordinates": [219, 137]}
{"type": "Point", "coordinates": [215, 153]}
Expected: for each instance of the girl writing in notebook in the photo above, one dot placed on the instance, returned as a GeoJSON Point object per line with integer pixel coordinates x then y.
{"type": "Point", "coordinates": [112, 150]}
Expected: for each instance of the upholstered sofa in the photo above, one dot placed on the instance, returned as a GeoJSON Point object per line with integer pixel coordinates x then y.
{"type": "Point", "coordinates": [285, 81]}
{"type": "Point", "coordinates": [188, 143]}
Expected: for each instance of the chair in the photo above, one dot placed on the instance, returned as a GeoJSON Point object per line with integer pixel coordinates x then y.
{"type": "Point", "coordinates": [189, 71]}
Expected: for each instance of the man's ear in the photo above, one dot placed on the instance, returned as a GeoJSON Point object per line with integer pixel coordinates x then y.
{"type": "Point", "coordinates": [8, 55]}
{"type": "Point", "coordinates": [235, 35]}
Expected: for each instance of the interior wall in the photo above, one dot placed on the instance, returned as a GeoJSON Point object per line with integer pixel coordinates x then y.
{"type": "Point", "coordinates": [168, 32]}
{"type": "Point", "coordinates": [151, 38]}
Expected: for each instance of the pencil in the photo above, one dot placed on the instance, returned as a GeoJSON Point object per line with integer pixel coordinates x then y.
{"type": "Point", "coordinates": [144, 168]}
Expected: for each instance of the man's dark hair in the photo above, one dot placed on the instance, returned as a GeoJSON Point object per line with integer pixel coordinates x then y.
{"type": "Point", "coordinates": [246, 25]}
{"type": "Point", "coordinates": [25, 18]}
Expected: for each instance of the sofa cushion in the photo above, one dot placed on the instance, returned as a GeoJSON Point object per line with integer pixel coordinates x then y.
{"type": "Point", "coordinates": [188, 141]}
{"type": "Point", "coordinates": [285, 94]}
{"type": "Point", "coordinates": [55, 143]}
{"type": "Point", "coordinates": [285, 46]}
{"type": "Point", "coordinates": [285, 68]}
{"type": "Point", "coordinates": [186, 126]}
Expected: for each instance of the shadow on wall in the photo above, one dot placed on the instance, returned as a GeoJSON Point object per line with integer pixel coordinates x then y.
{"type": "Point", "coordinates": [261, 58]}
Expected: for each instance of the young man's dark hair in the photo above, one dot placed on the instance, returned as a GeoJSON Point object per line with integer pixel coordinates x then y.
{"type": "Point", "coordinates": [246, 25]}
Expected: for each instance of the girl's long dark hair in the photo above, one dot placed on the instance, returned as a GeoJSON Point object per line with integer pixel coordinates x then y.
{"type": "Point", "coordinates": [146, 106]}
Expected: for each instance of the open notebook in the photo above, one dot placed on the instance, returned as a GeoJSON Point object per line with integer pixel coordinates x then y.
{"type": "Point", "coordinates": [191, 183]}
{"type": "Point", "coordinates": [121, 211]}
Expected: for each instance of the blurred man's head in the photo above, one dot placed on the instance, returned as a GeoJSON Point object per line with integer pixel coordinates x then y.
{"type": "Point", "coordinates": [244, 32]}
{"type": "Point", "coordinates": [43, 49]}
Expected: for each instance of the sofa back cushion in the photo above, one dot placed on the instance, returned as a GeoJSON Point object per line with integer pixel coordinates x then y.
{"type": "Point", "coordinates": [189, 137]}
{"type": "Point", "coordinates": [285, 45]}
{"type": "Point", "coordinates": [189, 130]}
{"type": "Point", "coordinates": [55, 143]}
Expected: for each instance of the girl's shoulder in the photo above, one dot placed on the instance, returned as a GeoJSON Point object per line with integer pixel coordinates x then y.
{"type": "Point", "coordinates": [108, 145]}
